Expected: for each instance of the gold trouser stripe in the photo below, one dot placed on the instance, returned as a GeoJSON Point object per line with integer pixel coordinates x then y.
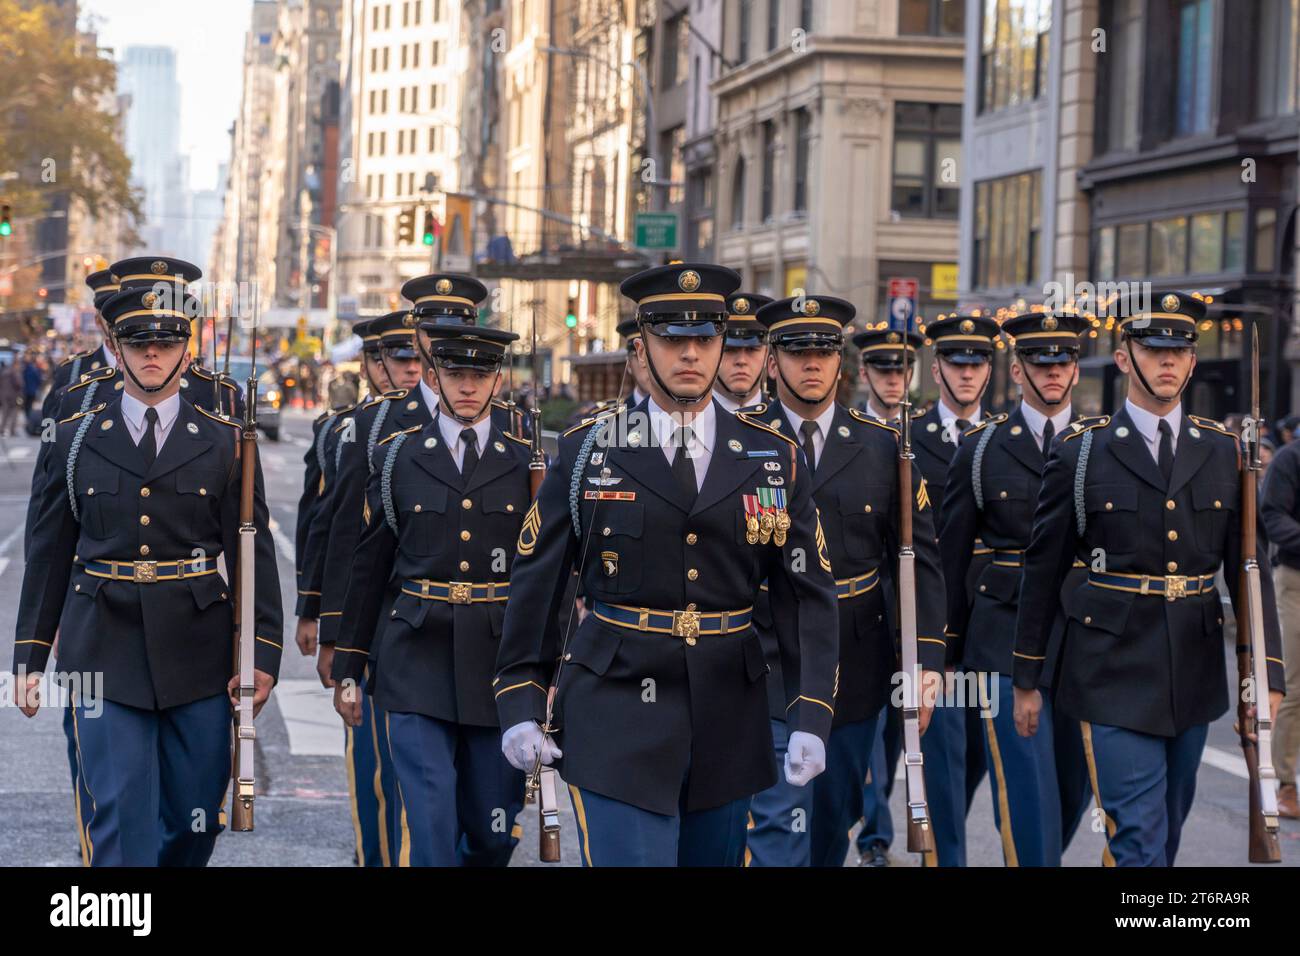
{"type": "Point", "coordinates": [89, 858]}
{"type": "Point", "coordinates": [404, 855]}
{"type": "Point", "coordinates": [581, 813]}
{"type": "Point", "coordinates": [1004, 800]}
{"type": "Point", "coordinates": [384, 855]}
{"type": "Point", "coordinates": [352, 793]}
{"type": "Point", "coordinates": [1107, 859]}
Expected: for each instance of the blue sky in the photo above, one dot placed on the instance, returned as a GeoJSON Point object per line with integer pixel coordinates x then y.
{"type": "Point", "coordinates": [208, 36]}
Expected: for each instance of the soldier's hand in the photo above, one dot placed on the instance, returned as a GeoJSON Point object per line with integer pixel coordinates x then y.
{"type": "Point", "coordinates": [28, 695]}
{"type": "Point", "coordinates": [931, 690]}
{"type": "Point", "coordinates": [325, 664]}
{"type": "Point", "coordinates": [347, 701]}
{"type": "Point", "coordinates": [1274, 702]}
{"type": "Point", "coordinates": [805, 758]}
{"type": "Point", "coordinates": [262, 685]}
{"type": "Point", "coordinates": [522, 743]}
{"type": "Point", "coordinates": [1028, 705]}
{"type": "Point", "coordinates": [305, 636]}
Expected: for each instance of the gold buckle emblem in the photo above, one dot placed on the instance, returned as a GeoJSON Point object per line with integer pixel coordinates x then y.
{"type": "Point", "coordinates": [144, 572]}
{"type": "Point", "coordinates": [458, 592]}
{"type": "Point", "coordinates": [686, 624]}
{"type": "Point", "coordinates": [1175, 586]}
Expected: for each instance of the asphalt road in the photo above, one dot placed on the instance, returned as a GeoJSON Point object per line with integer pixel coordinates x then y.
{"type": "Point", "coordinates": [303, 811]}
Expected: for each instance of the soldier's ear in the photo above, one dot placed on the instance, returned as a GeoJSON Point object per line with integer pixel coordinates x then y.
{"type": "Point", "coordinates": [1121, 360]}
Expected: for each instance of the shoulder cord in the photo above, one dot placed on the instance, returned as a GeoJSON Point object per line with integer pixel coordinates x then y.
{"type": "Point", "coordinates": [977, 465]}
{"type": "Point", "coordinates": [76, 368]}
{"type": "Point", "coordinates": [90, 395]}
{"type": "Point", "coordinates": [579, 466]}
{"type": "Point", "coordinates": [73, 449]}
{"type": "Point", "coordinates": [386, 482]}
{"type": "Point", "coordinates": [320, 440]}
{"type": "Point", "coordinates": [373, 438]}
{"type": "Point", "coordinates": [1080, 472]}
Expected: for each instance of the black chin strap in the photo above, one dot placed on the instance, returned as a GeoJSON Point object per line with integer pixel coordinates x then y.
{"type": "Point", "coordinates": [450, 409]}
{"type": "Point", "coordinates": [1029, 379]}
{"type": "Point", "coordinates": [370, 379]}
{"type": "Point", "coordinates": [829, 392]}
{"type": "Point", "coordinates": [988, 366]}
{"type": "Point", "coordinates": [741, 396]}
{"type": "Point", "coordinates": [126, 366]}
{"type": "Point", "coordinates": [678, 399]}
{"type": "Point", "coordinates": [884, 406]}
{"type": "Point", "coordinates": [1128, 347]}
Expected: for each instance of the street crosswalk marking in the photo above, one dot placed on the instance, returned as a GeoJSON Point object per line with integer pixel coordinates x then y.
{"type": "Point", "coordinates": [315, 730]}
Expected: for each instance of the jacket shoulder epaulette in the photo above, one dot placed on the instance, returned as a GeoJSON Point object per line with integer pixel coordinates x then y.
{"type": "Point", "coordinates": [390, 396]}
{"type": "Point", "coordinates": [218, 418]}
{"type": "Point", "coordinates": [866, 419]}
{"type": "Point", "coordinates": [199, 371]}
{"type": "Point", "coordinates": [515, 438]}
{"type": "Point", "coordinates": [1212, 425]}
{"type": "Point", "coordinates": [992, 420]}
{"type": "Point", "coordinates": [76, 355]}
{"type": "Point", "coordinates": [98, 375]}
{"type": "Point", "coordinates": [336, 412]}
{"type": "Point", "coordinates": [591, 420]}
{"type": "Point", "coordinates": [1082, 425]}
{"type": "Point", "coordinates": [90, 411]}
{"type": "Point", "coordinates": [763, 426]}
{"type": "Point", "coordinates": [404, 431]}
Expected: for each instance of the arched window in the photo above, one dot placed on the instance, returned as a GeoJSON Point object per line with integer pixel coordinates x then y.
{"type": "Point", "coordinates": [738, 195]}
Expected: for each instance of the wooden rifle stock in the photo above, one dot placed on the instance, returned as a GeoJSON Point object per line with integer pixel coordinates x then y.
{"type": "Point", "coordinates": [244, 774]}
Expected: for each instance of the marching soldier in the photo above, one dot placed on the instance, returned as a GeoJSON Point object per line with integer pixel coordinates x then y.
{"type": "Point", "coordinates": [631, 334]}
{"type": "Point", "coordinates": [1040, 784]}
{"type": "Point", "coordinates": [1149, 499]}
{"type": "Point", "coordinates": [852, 460]}
{"type": "Point", "coordinates": [123, 563]}
{"type": "Point", "coordinates": [883, 371]}
{"type": "Point", "coordinates": [673, 513]}
{"type": "Point", "coordinates": [444, 506]}
{"type": "Point", "coordinates": [744, 353]}
{"type": "Point", "coordinates": [69, 371]}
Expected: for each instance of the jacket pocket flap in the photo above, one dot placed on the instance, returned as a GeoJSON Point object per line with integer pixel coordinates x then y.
{"type": "Point", "coordinates": [1214, 496]}
{"type": "Point", "coordinates": [421, 498]}
{"type": "Point", "coordinates": [207, 589]}
{"type": "Point", "coordinates": [1005, 488]}
{"type": "Point", "coordinates": [1105, 610]}
{"type": "Point", "coordinates": [410, 609]}
{"type": "Point", "coordinates": [1000, 584]}
{"type": "Point", "coordinates": [755, 666]}
{"type": "Point", "coordinates": [621, 517]}
{"type": "Point", "coordinates": [1114, 497]}
{"type": "Point", "coordinates": [507, 500]}
{"type": "Point", "coordinates": [91, 481]}
{"type": "Point", "coordinates": [190, 482]}
{"type": "Point", "coordinates": [594, 647]}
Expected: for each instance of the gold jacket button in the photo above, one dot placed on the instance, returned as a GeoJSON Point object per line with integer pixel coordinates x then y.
{"type": "Point", "coordinates": [203, 491]}
{"type": "Point", "coordinates": [510, 507]}
{"type": "Point", "coordinates": [467, 504]}
{"type": "Point", "coordinates": [1087, 619]}
{"type": "Point", "coordinates": [1002, 494]}
{"type": "Point", "coordinates": [144, 519]}
{"type": "Point", "coordinates": [868, 509]}
{"type": "Point", "coordinates": [692, 538]}
{"type": "Point", "coordinates": [692, 574]}
{"type": "Point", "coordinates": [692, 607]}
{"type": "Point", "coordinates": [1170, 504]}
{"type": "Point", "coordinates": [1110, 506]}
{"type": "Point", "coordinates": [144, 492]}
{"type": "Point", "coordinates": [90, 491]}
{"type": "Point", "coordinates": [1171, 567]}
{"type": "Point", "coordinates": [1173, 535]}
{"type": "Point", "coordinates": [1218, 503]}
{"type": "Point", "coordinates": [984, 587]}
{"type": "Point", "coordinates": [606, 532]}
{"type": "Point", "coordinates": [464, 536]}
{"type": "Point", "coordinates": [419, 508]}
{"type": "Point", "coordinates": [464, 565]}
{"type": "Point", "coordinates": [144, 549]}
{"type": "Point", "coordinates": [393, 613]}
{"type": "Point", "coordinates": [76, 587]}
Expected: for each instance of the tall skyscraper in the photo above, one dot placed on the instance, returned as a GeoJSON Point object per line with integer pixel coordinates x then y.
{"type": "Point", "coordinates": [147, 75]}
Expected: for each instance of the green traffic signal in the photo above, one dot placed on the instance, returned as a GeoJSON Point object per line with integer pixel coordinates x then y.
{"type": "Point", "coordinates": [6, 227]}
{"type": "Point", "coordinates": [571, 320]}
{"type": "Point", "coordinates": [428, 238]}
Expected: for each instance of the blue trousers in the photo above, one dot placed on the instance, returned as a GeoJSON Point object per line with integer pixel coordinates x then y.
{"type": "Point", "coordinates": [376, 809]}
{"type": "Point", "coordinates": [614, 833]}
{"type": "Point", "coordinates": [877, 823]}
{"type": "Point", "coordinates": [80, 798]}
{"type": "Point", "coordinates": [459, 796]}
{"type": "Point", "coordinates": [779, 816]}
{"type": "Point", "coordinates": [1144, 785]}
{"type": "Point", "coordinates": [837, 792]}
{"type": "Point", "coordinates": [155, 779]}
{"type": "Point", "coordinates": [1031, 805]}
{"type": "Point", "coordinates": [944, 749]}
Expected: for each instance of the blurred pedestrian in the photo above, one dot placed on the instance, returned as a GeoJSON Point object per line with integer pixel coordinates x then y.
{"type": "Point", "coordinates": [32, 379]}
{"type": "Point", "coordinates": [11, 396]}
{"type": "Point", "coordinates": [1280, 508]}
{"type": "Point", "coordinates": [1286, 428]}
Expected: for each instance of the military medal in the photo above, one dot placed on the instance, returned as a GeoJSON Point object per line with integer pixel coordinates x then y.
{"type": "Point", "coordinates": [752, 510]}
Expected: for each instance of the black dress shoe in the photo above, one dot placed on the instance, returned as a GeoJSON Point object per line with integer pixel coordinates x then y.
{"type": "Point", "coordinates": [877, 854]}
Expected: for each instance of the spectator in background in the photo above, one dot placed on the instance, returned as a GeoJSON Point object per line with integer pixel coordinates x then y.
{"type": "Point", "coordinates": [32, 379]}
{"type": "Point", "coordinates": [1280, 509]}
{"type": "Point", "coordinates": [1266, 452]}
{"type": "Point", "coordinates": [11, 396]}
{"type": "Point", "coordinates": [1286, 428]}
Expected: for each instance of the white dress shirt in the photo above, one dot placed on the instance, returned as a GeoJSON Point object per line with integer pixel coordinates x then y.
{"type": "Point", "coordinates": [451, 430]}
{"type": "Point", "coordinates": [729, 404]}
{"type": "Point", "coordinates": [819, 436]}
{"type": "Point", "coordinates": [110, 360]}
{"type": "Point", "coordinates": [704, 426]}
{"type": "Point", "coordinates": [1037, 421]}
{"type": "Point", "coordinates": [1148, 426]}
{"type": "Point", "coordinates": [430, 396]}
{"type": "Point", "coordinates": [133, 414]}
{"type": "Point", "coordinates": [949, 419]}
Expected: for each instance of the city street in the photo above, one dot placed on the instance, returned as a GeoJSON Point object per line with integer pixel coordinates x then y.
{"type": "Point", "coordinates": [303, 815]}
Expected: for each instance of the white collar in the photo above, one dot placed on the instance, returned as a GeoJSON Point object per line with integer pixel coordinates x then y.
{"type": "Point", "coordinates": [871, 410]}
{"type": "Point", "coordinates": [823, 421]}
{"type": "Point", "coordinates": [1148, 423]}
{"type": "Point", "coordinates": [947, 415]}
{"type": "Point", "coordinates": [729, 404]}
{"type": "Point", "coordinates": [109, 358]}
{"type": "Point", "coordinates": [451, 430]}
{"type": "Point", "coordinates": [133, 411]}
{"type": "Point", "coordinates": [1037, 421]}
{"type": "Point", "coordinates": [664, 426]}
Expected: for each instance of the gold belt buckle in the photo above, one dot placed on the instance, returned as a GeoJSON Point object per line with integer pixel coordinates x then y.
{"type": "Point", "coordinates": [458, 592]}
{"type": "Point", "coordinates": [144, 572]}
{"type": "Point", "coordinates": [1175, 586]}
{"type": "Point", "coordinates": [686, 624]}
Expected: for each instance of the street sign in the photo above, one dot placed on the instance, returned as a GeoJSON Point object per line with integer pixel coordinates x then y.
{"type": "Point", "coordinates": [657, 231]}
{"type": "Point", "coordinates": [902, 303]}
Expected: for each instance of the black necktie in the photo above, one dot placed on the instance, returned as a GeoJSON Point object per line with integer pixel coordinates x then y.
{"type": "Point", "coordinates": [962, 425]}
{"type": "Point", "coordinates": [1166, 458]}
{"type": "Point", "coordinates": [149, 443]}
{"type": "Point", "coordinates": [683, 466]}
{"type": "Point", "coordinates": [808, 430]}
{"type": "Point", "coordinates": [1049, 431]}
{"type": "Point", "coordinates": [468, 463]}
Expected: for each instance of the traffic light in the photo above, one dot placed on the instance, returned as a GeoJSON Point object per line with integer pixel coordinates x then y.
{"type": "Point", "coordinates": [571, 315]}
{"type": "Point", "coordinates": [429, 227]}
{"type": "Point", "coordinates": [6, 227]}
{"type": "Point", "coordinates": [406, 225]}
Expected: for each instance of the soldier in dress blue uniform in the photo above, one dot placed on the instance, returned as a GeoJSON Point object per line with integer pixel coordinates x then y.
{"type": "Point", "coordinates": [69, 371]}
{"type": "Point", "coordinates": [630, 332]}
{"type": "Point", "coordinates": [673, 513]}
{"type": "Point", "coordinates": [148, 482]}
{"type": "Point", "coordinates": [852, 460]}
{"type": "Point", "coordinates": [1149, 499]}
{"type": "Point", "coordinates": [883, 352]}
{"type": "Point", "coordinates": [444, 506]}
{"type": "Point", "coordinates": [744, 353]}
{"type": "Point", "coordinates": [1040, 784]}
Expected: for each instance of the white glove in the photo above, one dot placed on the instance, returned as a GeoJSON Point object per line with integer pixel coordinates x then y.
{"type": "Point", "coordinates": [522, 742]}
{"type": "Point", "coordinates": [805, 758]}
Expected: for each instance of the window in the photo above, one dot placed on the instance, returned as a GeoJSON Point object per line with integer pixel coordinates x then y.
{"type": "Point", "coordinates": [773, 23]}
{"type": "Point", "coordinates": [1124, 62]}
{"type": "Point", "coordinates": [433, 96]}
{"type": "Point", "coordinates": [401, 100]}
{"type": "Point", "coordinates": [385, 59]}
{"type": "Point", "coordinates": [1275, 61]}
{"type": "Point", "coordinates": [415, 56]}
{"type": "Point", "coordinates": [769, 171]}
{"type": "Point", "coordinates": [374, 20]}
{"type": "Point", "coordinates": [700, 203]}
{"type": "Point", "coordinates": [802, 148]}
{"type": "Point", "coordinates": [416, 6]}
{"type": "Point", "coordinates": [927, 157]}
{"type": "Point", "coordinates": [383, 148]}
{"type": "Point", "coordinates": [1234, 242]}
{"type": "Point", "coordinates": [744, 24]}
{"type": "Point", "coordinates": [383, 101]}
{"type": "Point", "coordinates": [1132, 259]}
{"type": "Point", "coordinates": [379, 183]}
{"type": "Point", "coordinates": [406, 13]}
{"type": "Point", "coordinates": [415, 97]}
{"type": "Point", "coordinates": [1207, 243]}
{"type": "Point", "coordinates": [388, 17]}
{"type": "Point", "coordinates": [738, 195]}
{"type": "Point", "coordinates": [437, 10]}
{"type": "Point", "coordinates": [806, 12]}
{"type": "Point", "coordinates": [1013, 52]}
{"type": "Point", "coordinates": [676, 143]}
{"type": "Point", "coordinates": [372, 102]}
{"type": "Point", "coordinates": [675, 65]}
{"type": "Point", "coordinates": [1168, 247]}
{"type": "Point", "coordinates": [401, 141]}
{"type": "Point", "coordinates": [1265, 239]}
{"type": "Point", "coordinates": [1195, 25]}
{"type": "Point", "coordinates": [374, 57]}
{"type": "Point", "coordinates": [1106, 253]}
{"type": "Point", "coordinates": [1007, 230]}
{"type": "Point", "coordinates": [435, 53]}
{"type": "Point", "coordinates": [945, 18]}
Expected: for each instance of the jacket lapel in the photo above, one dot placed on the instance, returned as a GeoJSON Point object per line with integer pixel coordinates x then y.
{"type": "Point", "coordinates": [727, 466]}
{"type": "Point", "coordinates": [183, 444]}
{"type": "Point", "coordinates": [1022, 446]}
{"type": "Point", "coordinates": [438, 460]}
{"type": "Point", "coordinates": [837, 451]}
{"type": "Point", "coordinates": [114, 442]}
{"type": "Point", "coordinates": [643, 459]}
{"type": "Point", "coordinates": [931, 439]}
{"type": "Point", "coordinates": [1131, 449]}
{"type": "Point", "coordinates": [493, 461]}
{"type": "Point", "coordinates": [1193, 449]}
